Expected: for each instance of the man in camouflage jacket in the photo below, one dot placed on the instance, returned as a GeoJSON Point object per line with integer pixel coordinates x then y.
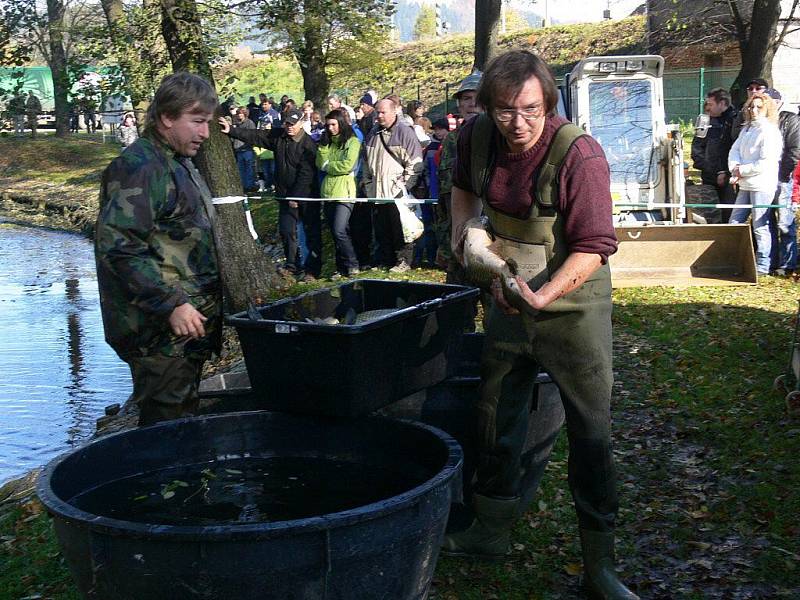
{"type": "Point", "coordinates": [156, 257]}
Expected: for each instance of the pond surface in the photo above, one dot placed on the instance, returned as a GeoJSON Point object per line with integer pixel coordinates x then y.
{"type": "Point", "coordinates": [56, 371]}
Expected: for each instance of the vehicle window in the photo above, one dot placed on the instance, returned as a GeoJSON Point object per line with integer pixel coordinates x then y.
{"type": "Point", "coordinates": [621, 119]}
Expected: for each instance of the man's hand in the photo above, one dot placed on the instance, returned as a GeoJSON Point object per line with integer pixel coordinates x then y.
{"type": "Point", "coordinates": [500, 299]}
{"type": "Point", "coordinates": [735, 175]}
{"type": "Point", "coordinates": [293, 204]}
{"type": "Point", "coordinates": [224, 126]}
{"type": "Point", "coordinates": [186, 320]}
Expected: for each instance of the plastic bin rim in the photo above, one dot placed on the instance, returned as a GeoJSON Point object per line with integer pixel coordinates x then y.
{"type": "Point", "coordinates": [58, 507]}
{"type": "Point", "coordinates": [458, 292]}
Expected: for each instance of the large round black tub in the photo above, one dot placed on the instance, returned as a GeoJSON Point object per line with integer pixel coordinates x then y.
{"type": "Point", "coordinates": [356, 511]}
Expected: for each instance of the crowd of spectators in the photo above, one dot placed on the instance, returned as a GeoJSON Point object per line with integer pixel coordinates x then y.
{"type": "Point", "coordinates": [751, 156]}
{"type": "Point", "coordinates": [377, 149]}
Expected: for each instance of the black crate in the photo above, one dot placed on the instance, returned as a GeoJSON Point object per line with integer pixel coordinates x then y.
{"type": "Point", "coordinates": [352, 370]}
{"type": "Point", "coordinates": [449, 405]}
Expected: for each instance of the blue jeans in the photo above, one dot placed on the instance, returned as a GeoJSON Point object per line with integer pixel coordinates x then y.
{"type": "Point", "coordinates": [338, 216]}
{"type": "Point", "coordinates": [246, 161]}
{"type": "Point", "coordinates": [268, 169]}
{"type": "Point", "coordinates": [760, 224]}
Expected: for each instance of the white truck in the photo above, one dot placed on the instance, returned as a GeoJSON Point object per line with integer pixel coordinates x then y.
{"type": "Point", "coordinates": [619, 100]}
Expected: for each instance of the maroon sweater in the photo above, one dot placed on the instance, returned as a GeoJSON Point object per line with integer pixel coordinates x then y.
{"type": "Point", "coordinates": [584, 198]}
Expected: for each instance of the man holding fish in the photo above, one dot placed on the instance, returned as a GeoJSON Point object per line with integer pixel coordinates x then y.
{"type": "Point", "coordinates": [542, 249]}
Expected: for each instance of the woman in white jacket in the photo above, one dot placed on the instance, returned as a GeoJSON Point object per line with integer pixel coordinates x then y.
{"type": "Point", "coordinates": [753, 163]}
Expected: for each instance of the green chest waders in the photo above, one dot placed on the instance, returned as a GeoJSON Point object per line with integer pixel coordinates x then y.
{"type": "Point", "coordinates": [570, 339]}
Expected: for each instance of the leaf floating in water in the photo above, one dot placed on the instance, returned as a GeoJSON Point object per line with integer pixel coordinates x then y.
{"type": "Point", "coordinates": [233, 471]}
{"type": "Point", "coordinates": [140, 498]}
{"type": "Point", "coordinates": [180, 483]}
{"type": "Point", "coordinates": [167, 494]}
{"type": "Point", "coordinates": [208, 474]}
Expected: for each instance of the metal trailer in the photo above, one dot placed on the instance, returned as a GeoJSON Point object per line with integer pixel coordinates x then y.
{"type": "Point", "coordinates": [792, 373]}
{"type": "Point", "coordinates": [619, 100]}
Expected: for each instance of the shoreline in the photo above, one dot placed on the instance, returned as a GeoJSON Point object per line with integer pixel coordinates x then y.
{"type": "Point", "coordinates": [57, 211]}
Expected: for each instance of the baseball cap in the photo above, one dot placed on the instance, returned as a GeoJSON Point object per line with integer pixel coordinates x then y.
{"type": "Point", "coordinates": [469, 83]}
{"type": "Point", "coordinates": [292, 117]}
{"type": "Point", "coordinates": [758, 81]}
{"type": "Point", "coordinates": [367, 99]}
{"type": "Point", "coordinates": [773, 93]}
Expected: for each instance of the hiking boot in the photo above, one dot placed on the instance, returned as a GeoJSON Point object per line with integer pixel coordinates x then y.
{"type": "Point", "coordinates": [401, 267]}
{"type": "Point", "coordinates": [599, 577]}
{"type": "Point", "coordinates": [490, 532]}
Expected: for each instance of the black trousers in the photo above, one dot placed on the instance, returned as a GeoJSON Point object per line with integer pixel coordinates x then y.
{"type": "Point", "coordinates": [389, 236]}
{"type": "Point", "coordinates": [288, 219]}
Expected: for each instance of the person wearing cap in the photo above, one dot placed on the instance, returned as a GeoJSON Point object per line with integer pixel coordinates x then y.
{"type": "Point", "coordinates": [468, 108]}
{"type": "Point", "coordinates": [295, 177]}
{"type": "Point", "coordinates": [783, 259]}
{"type": "Point", "coordinates": [755, 85]}
{"type": "Point", "coordinates": [367, 106]}
{"type": "Point", "coordinates": [361, 219]}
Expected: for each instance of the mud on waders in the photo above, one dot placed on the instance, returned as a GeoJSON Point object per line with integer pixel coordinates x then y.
{"type": "Point", "coordinates": [571, 340]}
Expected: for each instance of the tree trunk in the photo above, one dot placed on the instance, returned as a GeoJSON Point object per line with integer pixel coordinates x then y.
{"type": "Point", "coordinates": [487, 22]}
{"type": "Point", "coordinates": [136, 80]}
{"type": "Point", "coordinates": [312, 66]}
{"type": "Point", "coordinates": [247, 274]}
{"type": "Point", "coordinates": [58, 65]}
{"type": "Point", "coordinates": [757, 47]}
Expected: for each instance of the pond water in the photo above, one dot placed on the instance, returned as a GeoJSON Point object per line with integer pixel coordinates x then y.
{"type": "Point", "coordinates": [56, 371]}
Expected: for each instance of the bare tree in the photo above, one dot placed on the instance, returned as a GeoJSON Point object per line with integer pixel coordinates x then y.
{"type": "Point", "coordinates": [487, 23]}
{"type": "Point", "coordinates": [58, 65]}
{"type": "Point", "coordinates": [755, 25]}
{"type": "Point", "coordinates": [247, 274]}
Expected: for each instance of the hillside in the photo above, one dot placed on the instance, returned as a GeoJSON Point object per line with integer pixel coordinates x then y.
{"type": "Point", "coordinates": [426, 68]}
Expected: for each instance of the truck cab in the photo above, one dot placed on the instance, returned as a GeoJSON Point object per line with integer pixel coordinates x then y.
{"type": "Point", "coordinates": [619, 100]}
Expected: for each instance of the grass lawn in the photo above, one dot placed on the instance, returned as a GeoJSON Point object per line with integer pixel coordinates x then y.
{"type": "Point", "coordinates": [707, 458]}
{"type": "Point", "coordinates": [76, 160]}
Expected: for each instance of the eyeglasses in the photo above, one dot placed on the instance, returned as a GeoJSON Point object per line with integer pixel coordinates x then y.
{"type": "Point", "coordinates": [505, 115]}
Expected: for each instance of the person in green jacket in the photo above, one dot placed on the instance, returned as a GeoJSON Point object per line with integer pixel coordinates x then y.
{"type": "Point", "coordinates": [337, 157]}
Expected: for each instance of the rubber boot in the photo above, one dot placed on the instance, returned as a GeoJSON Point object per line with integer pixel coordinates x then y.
{"type": "Point", "coordinates": [599, 577]}
{"type": "Point", "coordinates": [489, 534]}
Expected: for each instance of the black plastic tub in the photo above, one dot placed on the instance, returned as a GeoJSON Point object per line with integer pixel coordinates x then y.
{"type": "Point", "coordinates": [351, 370]}
{"type": "Point", "coordinates": [449, 406]}
{"type": "Point", "coordinates": [384, 550]}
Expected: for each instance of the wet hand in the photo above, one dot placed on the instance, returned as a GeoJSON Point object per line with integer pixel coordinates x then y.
{"type": "Point", "coordinates": [293, 204]}
{"type": "Point", "coordinates": [186, 320]}
{"type": "Point", "coordinates": [499, 299]}
{"type": "Point", "coordinates": [224, 126]}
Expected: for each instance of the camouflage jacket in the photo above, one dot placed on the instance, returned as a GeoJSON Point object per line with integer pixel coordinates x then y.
{"type": "Point", "coordinates": [448, 157]}
{"type": "Point", "coordinates": [155, 250]}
